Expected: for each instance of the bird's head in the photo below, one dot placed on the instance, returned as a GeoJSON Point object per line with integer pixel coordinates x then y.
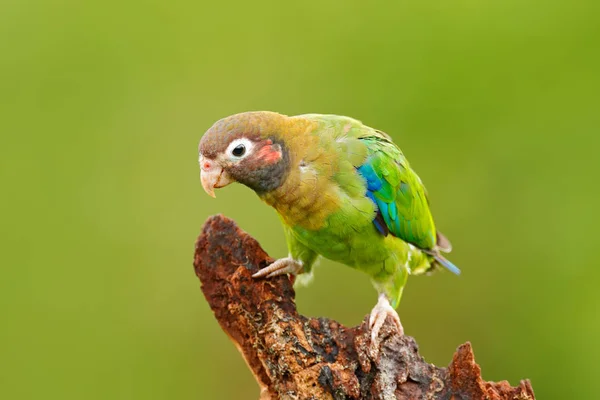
{"type": "Point", "coordinates": [246, 148]}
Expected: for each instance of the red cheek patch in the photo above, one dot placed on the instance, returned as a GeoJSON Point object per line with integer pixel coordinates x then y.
{"type": "Point", "coordinates": [269, 153]}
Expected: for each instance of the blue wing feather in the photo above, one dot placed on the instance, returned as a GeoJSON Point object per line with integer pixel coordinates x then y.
{"type": "Point", "coordinates": [402, 207]}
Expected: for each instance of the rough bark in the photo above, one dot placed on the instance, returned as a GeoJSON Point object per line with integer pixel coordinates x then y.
{"type": "Point", "coordinates": [294, 357]}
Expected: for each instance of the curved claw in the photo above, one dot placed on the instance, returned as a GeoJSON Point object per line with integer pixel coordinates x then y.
{"type": "Point", "coordinates": [282, 266]}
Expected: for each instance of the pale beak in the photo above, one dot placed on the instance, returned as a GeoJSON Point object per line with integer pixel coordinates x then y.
{"type": "Point", "coordinates": [212, 176]}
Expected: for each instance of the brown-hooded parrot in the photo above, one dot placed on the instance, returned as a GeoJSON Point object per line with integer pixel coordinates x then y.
{"type": "Point", "coordinates": [343, 191]}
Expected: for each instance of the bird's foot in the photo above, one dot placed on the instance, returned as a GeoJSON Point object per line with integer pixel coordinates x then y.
{"type": "Point", "coordinates": [376, 320]}
{"type": "Point", "coordinates": [282, 266]}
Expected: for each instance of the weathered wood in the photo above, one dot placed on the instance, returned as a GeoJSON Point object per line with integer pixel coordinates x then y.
{"type": "Point", "coordinates": [294, 357]}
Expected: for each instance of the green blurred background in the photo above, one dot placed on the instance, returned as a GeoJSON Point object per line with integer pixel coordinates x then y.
{"type": "Point", "coordinates": [102, 105]}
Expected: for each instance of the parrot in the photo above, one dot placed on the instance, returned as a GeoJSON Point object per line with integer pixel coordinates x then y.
{"type": "Point", "coordinates": [342, 190]}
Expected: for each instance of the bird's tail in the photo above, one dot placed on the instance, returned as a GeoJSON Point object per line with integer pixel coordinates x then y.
{"type": "Point", "coordinates": [447, 264]}
{"type": "Point", "coordinates": [444, 245]}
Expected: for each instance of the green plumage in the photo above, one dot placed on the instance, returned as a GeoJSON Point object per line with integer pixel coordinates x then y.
{"type": "Point", "coordinates": [343, 190]}
{"type": "Point", "coordinates": [346, 232]}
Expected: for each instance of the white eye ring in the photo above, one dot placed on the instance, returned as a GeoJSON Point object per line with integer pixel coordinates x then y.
{"type": "Point", "coordinates": [247, 145]}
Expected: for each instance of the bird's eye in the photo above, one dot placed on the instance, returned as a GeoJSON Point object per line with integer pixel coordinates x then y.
{"type": "Point", "coordinates": [239, 150]}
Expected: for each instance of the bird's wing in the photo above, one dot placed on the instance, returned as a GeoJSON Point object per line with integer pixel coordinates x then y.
{"type": "Point", "coordinates": [400, 199]}
{"type": "Point", "coordinates": [403, 208]}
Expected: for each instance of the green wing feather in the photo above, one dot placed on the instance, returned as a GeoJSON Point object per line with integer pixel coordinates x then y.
{"type": "Point", "coordinates": [398, 193]}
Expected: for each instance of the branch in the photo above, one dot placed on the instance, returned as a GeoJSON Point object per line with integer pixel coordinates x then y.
{"type": "Point", "coordinates": [294, 357]}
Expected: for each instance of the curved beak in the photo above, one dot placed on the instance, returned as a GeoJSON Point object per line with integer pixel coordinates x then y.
{"type": "Point", "coordinates": [212, 176]}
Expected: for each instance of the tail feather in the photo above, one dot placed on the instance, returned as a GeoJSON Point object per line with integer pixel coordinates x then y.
{"type": "Point", "coordinates": [442, 243]}
{"type": "Point", "coordinates": [447, 264]}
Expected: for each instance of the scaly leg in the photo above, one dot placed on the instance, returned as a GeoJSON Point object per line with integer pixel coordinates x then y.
{"type": "Point", "coordinates": [376, 320]}
{"type": "Point", "coordinates": [282, 266]}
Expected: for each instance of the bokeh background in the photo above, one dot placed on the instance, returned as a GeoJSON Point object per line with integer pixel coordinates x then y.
{"type": "Point", "coordinates": [102, 104]}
